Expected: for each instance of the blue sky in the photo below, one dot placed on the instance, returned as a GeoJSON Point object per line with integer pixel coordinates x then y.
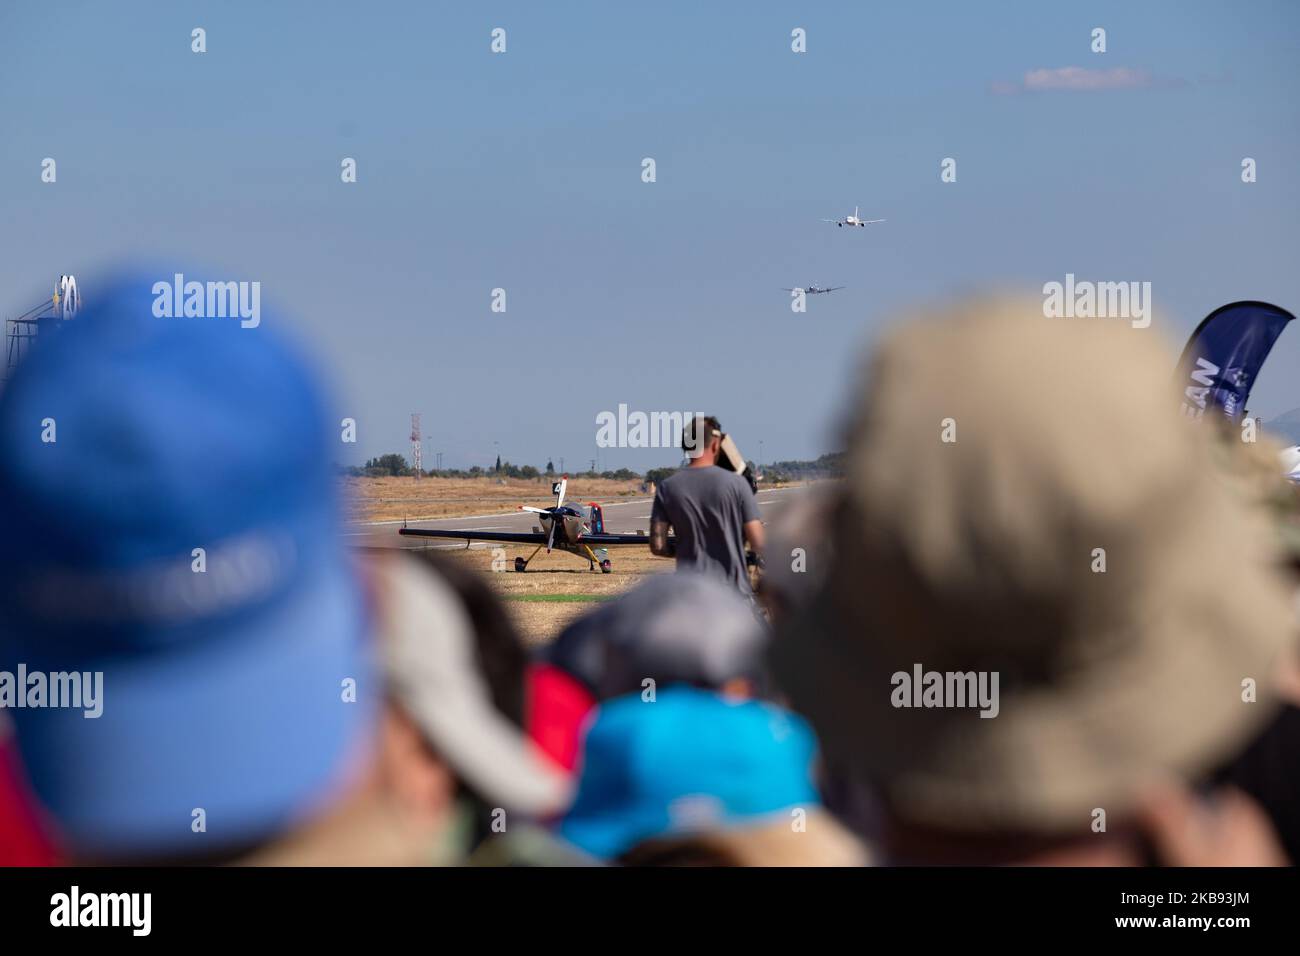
{"type": "Point", "coordinates": [522, 171]}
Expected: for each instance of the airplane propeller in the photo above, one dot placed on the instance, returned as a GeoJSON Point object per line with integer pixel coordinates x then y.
{"type": "Point", "coordinates": [559, 501]}
{"type": "Point", "coordinates": [558, 490]}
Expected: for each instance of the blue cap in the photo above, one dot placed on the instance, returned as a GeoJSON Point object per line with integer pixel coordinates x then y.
{"type": "Point", "coordinates": [128, 441]}
{"type": "Point", "coordinates": [689, 761]}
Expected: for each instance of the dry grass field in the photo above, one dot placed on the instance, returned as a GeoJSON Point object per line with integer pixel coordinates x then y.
{"type": "Point", "coordinates": [556, 588]}
{"type": "Point", "coordinates": [376, 499]}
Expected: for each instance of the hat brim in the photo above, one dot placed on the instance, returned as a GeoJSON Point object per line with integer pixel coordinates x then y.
{"type": "Point", "coordinates": [429, 661]}
{"type": "Point", "coordinates": [1140, 713]}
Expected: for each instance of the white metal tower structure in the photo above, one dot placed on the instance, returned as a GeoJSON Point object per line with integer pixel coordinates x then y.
{"type": "Point", "coordinates": [21, 332]}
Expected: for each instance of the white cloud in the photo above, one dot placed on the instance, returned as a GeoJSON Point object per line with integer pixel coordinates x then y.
{"type": "Point", "coordinates": [1079, 78]}
{"type": "Point", "coordinates": [1076, 79]}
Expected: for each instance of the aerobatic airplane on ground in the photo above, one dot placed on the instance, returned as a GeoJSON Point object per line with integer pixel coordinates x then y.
{"type": "Point", "coordinates": [817, 290]}
{"type": "Point", "coordinates": [852, 220]}
{"type": "Point", "coordinates": [579, 531]}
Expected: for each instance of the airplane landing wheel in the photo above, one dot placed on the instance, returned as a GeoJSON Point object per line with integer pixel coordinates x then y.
{"type": "Point", "coordinates": [520, 564]}
{"type": "Point", "coordinates": [606, 567]}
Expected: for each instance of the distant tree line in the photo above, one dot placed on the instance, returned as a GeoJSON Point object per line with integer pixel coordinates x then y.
{"type": "Point", "coordinates": [396, 466]}
{"type": "Point", "coordinates": [830, 465]}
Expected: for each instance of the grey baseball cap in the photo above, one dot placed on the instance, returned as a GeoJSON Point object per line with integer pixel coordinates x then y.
{"type": "Point", "coordinates": [674, 628]}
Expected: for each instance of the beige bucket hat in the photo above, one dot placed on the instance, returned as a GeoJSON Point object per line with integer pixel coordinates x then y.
{"type": "Point", "coordinates": [984, 554]}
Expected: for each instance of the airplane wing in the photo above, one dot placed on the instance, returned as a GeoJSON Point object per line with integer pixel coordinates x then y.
{"type": "Point", "coordinates": [611, 540]}
{"type": "Point", "coordinates": [830, 220]}
{"type": "Point", "coordinates": [836, 288]}
{"type": "Point", "coordinates": [520, 537]}
{"type": "Point", "coordinates": [526, 537]}
{"type": "Point", "coordinates": [865, 221]}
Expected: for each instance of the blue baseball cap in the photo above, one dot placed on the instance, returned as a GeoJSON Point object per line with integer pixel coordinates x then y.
{"type": "Point", "coordinates": [689, 761]}
{"type": "Point", "coordinates": [172, 523]}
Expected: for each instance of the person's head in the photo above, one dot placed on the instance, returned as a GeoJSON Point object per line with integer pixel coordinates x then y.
{"type": "Point", "coordinates": [177, 532]}
{"type": "Point", "coordinates": [690, 776]}
{"type": "Point", "coordinates": [171, 561]}
{"type": "Point", "coordinates": [684, 628]}
{"type": "Point", "coordinates": [450, 764]}
{"type": "Point", "coordinates": [1044, 597]}
{"type": "Point", "coordinates": [453, 665]}
{"type": "Point", "coordinates": [702, 439]}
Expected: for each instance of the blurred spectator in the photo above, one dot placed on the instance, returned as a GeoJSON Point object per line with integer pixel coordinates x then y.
{"type": "Point", "coordinates": [1267, 773]}
{"type": "Point", "coordinates": [173, 526]}
{"type": "Point", "coordinates": [692, 778]}
{"type": "Point", "coordinates": [171, 523]}
{"type": "Point", "coordinates": [1022, 505]}
{"type": "Point", "coordinates": [459, 689]}
{"type": "Point", "coordinates": [1266, 770]}
{"type": "Point", "coordinates": [686, 628]}
{"type": "Point", "coordinates": [799, 550]}
{"type": "Point", "coordinates": [456, 781]}
{"type": "Point", "coordinates": [23, 840]}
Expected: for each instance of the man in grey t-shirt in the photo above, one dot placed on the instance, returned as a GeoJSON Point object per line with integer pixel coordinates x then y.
{"type": "Point", "coordinates": [712, 511]}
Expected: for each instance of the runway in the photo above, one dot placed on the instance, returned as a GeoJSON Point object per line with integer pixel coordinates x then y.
{"type": "Point", "coordinates": [625, 515]}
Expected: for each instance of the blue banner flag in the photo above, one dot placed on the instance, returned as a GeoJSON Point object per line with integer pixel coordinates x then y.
{"type": "Point", "coordinates": [1224, 355]}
